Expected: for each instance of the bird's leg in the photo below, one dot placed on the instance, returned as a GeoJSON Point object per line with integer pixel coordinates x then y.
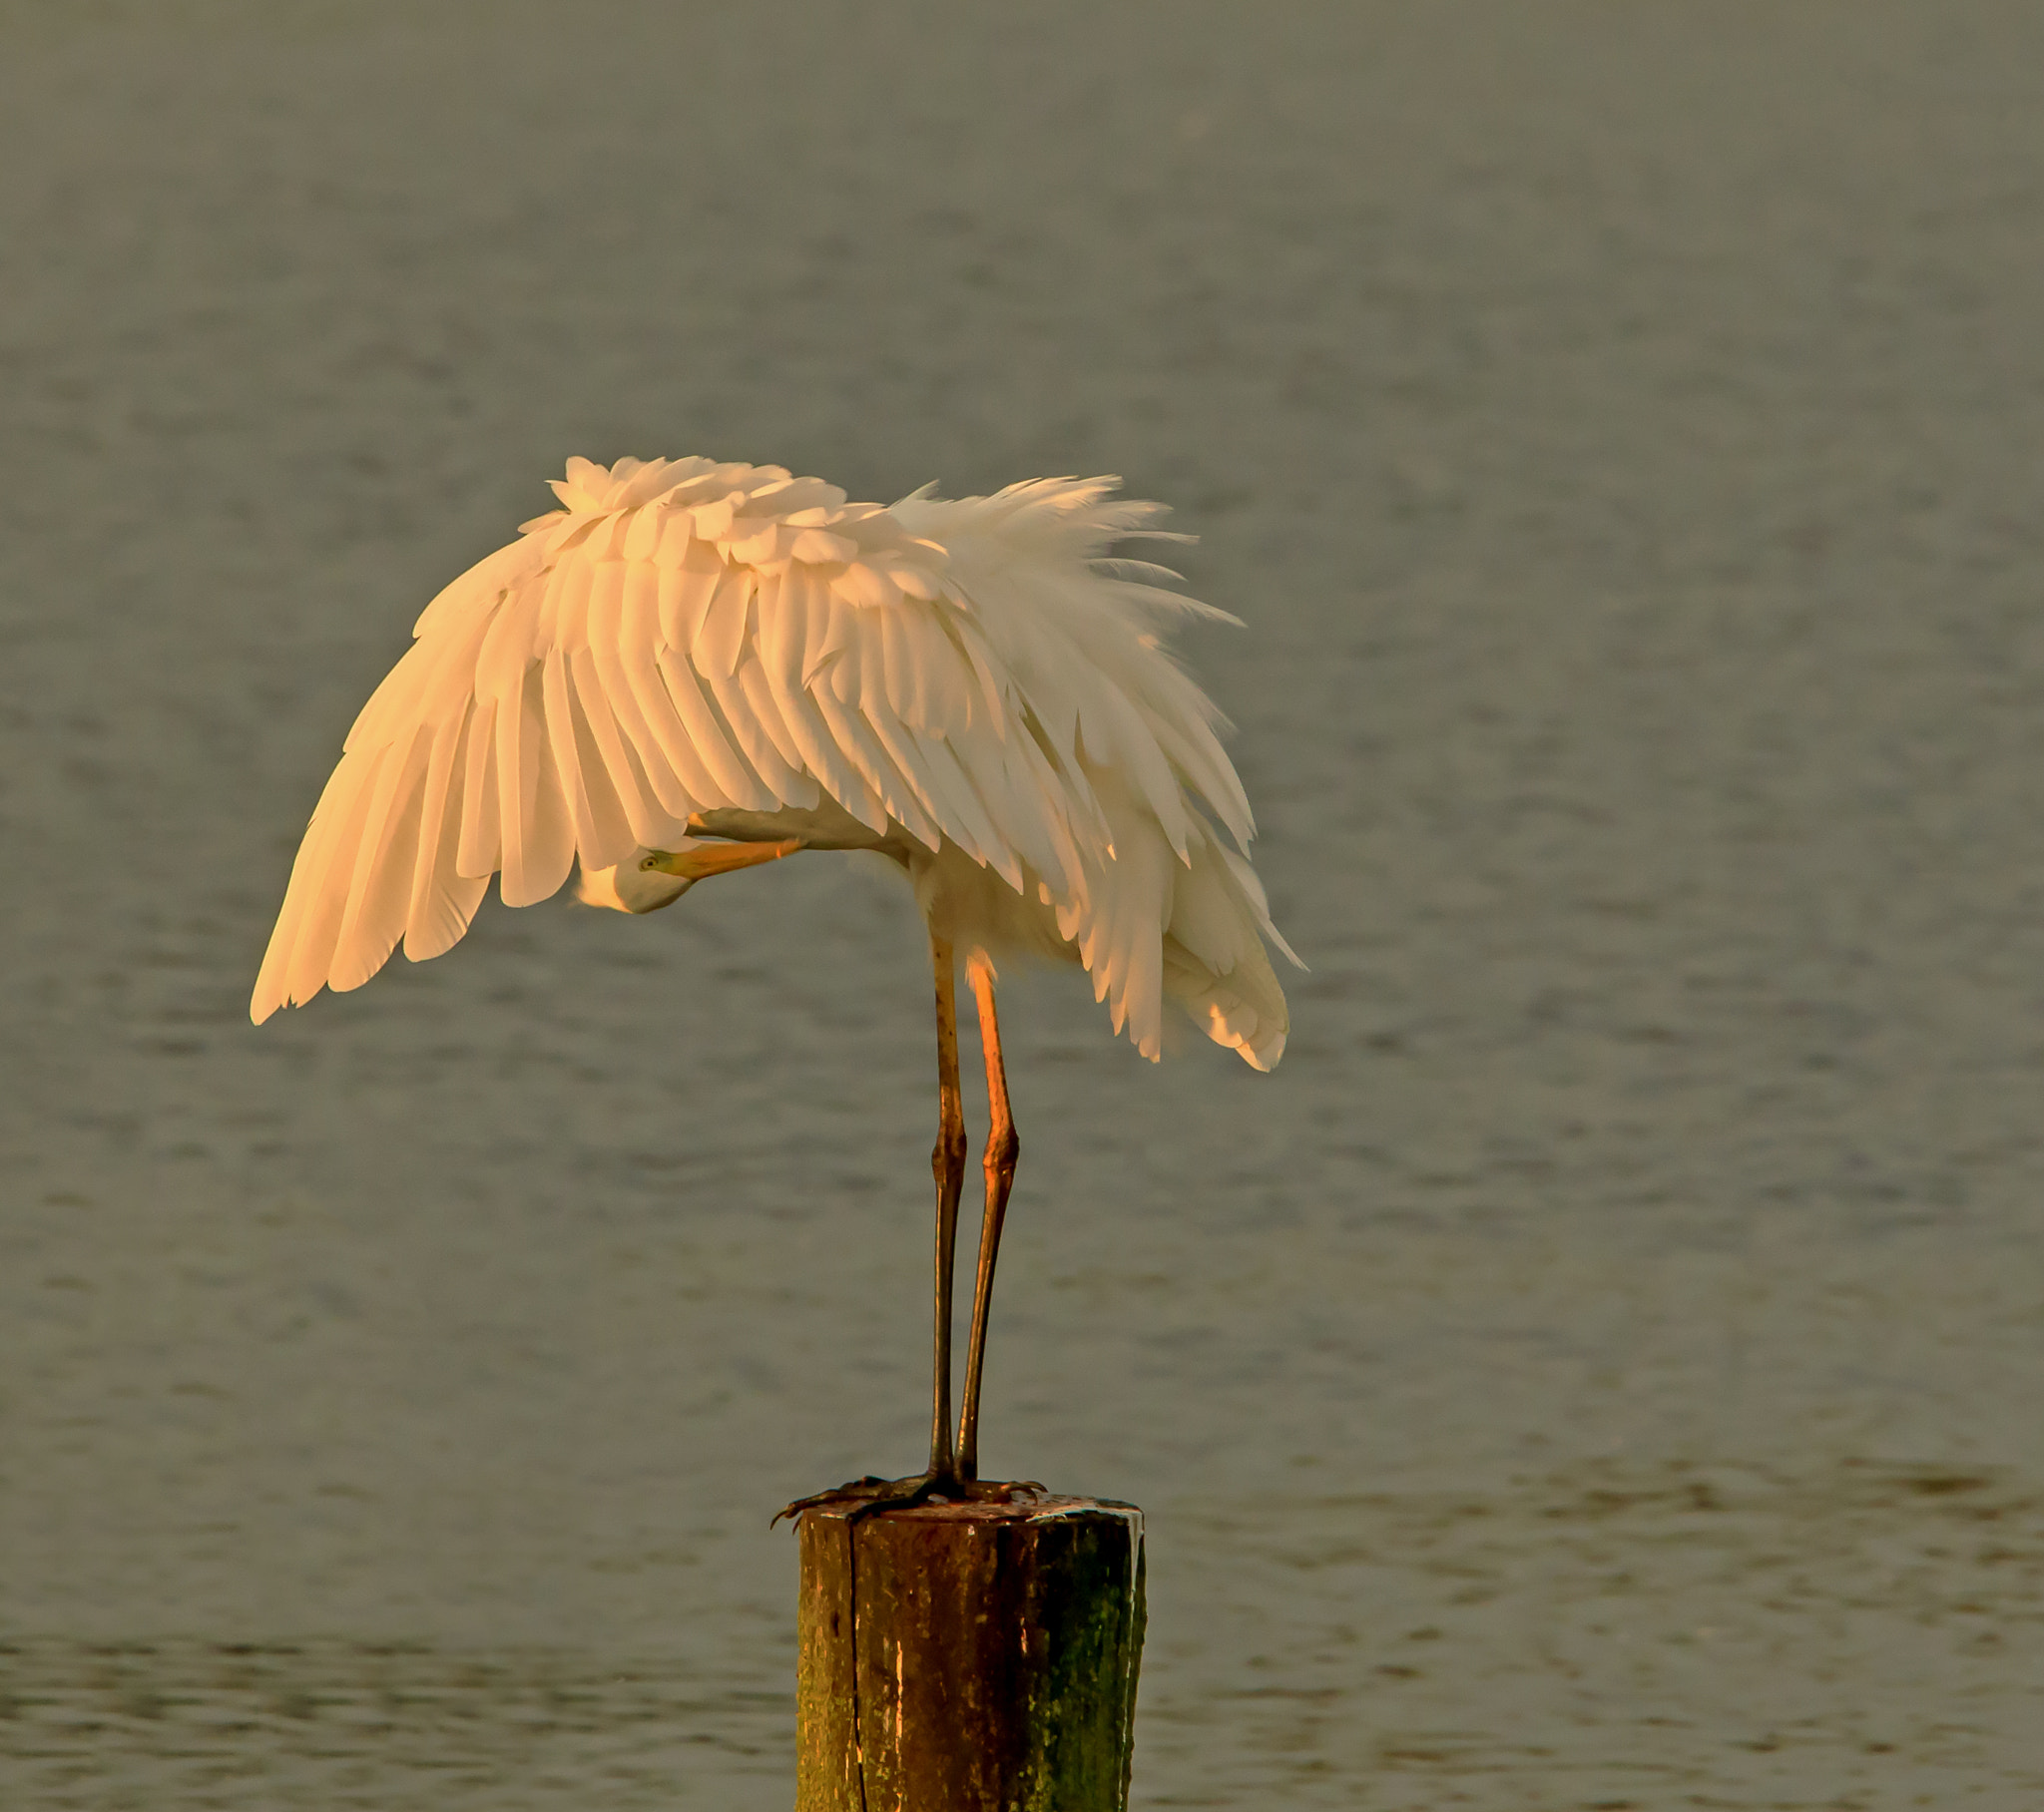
{"type": "Point", "coordinates": [1002, 1146]}
{"type": "Point", "coordinates": [947, 1162]}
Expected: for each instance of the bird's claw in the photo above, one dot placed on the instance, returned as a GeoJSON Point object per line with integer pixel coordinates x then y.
{"type": "Point", "coordinates": [871, 1493]}
{"type": "Point", "coordinates": [851, 1488]}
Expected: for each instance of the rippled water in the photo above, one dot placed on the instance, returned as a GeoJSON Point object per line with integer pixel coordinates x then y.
{"type": "Point", "coordinates": [1599, 1369]}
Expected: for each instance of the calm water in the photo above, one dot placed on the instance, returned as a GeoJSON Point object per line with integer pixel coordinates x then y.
{"type": "Point", "coordinates": [1600, 1369]}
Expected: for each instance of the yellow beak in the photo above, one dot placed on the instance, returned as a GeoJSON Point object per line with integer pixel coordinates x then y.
{"type": "Point", "coordinates": [705, 859]}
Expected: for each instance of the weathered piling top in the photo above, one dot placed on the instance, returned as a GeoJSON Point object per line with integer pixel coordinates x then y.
{"type": "Point", "coordinates": [1026, 1507]}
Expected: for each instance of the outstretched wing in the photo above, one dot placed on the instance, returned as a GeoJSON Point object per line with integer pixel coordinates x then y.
{"type": "Point", "coordinates": [685, 637]}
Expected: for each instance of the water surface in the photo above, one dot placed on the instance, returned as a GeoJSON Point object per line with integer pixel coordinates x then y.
{"type": "Point", "coordinates": [1599, 1369]}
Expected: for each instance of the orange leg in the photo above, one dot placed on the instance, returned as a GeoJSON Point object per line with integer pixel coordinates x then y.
{"type": "Point", "coordinates": [1002, 1147]}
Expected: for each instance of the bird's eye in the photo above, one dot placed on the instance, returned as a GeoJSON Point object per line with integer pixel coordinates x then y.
{"type": "Point", "coordinates": [649, 862]}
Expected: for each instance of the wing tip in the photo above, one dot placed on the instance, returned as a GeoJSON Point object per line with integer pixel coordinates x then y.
{"type": "Point", "coordinates": [1264, 1055]}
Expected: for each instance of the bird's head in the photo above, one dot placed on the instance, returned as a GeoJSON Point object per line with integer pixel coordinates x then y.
{"type": "Point", "coordinates": [649, 879]}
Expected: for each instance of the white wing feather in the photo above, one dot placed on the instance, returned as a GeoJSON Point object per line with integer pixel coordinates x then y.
{"type": "Point", "coordinates": [685, 637]}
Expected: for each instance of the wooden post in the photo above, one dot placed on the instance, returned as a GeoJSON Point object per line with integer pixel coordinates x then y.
{"type": "Point", "coordinates": [969, 1658]}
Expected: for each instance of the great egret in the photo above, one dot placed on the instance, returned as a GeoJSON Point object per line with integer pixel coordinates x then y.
{"type": "Point", "coordinates": [691, 668]}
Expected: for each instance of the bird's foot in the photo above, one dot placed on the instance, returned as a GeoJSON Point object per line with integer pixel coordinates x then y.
{"type": "Point", "coordinates": [871, 1493]}
{"type": "Point", "coordinates": [864, 1496]}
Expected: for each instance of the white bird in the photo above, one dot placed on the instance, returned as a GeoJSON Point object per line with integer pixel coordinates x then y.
{"type": "Point", "coordinates": [690, 651]}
